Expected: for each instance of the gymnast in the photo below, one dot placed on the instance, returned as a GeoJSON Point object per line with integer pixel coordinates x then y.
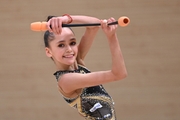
{"type": "Point", "coordinates": [81, 88]}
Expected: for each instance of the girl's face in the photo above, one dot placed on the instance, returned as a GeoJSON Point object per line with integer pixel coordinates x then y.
{"type": "Point", "coordinates": [63, 49]}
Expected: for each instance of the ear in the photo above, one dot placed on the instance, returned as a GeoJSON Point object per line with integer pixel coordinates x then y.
{"type": "Point", "coordinates": [48, 52]}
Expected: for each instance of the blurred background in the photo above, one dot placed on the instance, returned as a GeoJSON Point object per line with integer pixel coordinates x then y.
{"type": "Point", "coordinates": [150, 45]}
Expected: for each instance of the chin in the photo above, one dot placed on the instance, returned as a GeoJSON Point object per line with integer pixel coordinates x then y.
{"type": "Point", "coordinates": [70, 63]}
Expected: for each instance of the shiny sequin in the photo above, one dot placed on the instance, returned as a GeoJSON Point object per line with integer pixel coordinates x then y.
{"type": "Point", "coordinates": [89, 98]}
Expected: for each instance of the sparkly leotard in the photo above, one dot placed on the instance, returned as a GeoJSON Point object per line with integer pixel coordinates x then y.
{"type": "Point", "coordinates": [94, 103]}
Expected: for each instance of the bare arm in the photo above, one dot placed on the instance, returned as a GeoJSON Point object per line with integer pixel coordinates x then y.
{"type": "Point", "coordinates": [88, 37]}
{"type": "Point", "coordinates": [73, 81]}
{"type": "Point", "coordinates": [118, 66]}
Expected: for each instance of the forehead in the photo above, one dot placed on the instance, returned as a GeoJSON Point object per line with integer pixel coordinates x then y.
{"type": "Point", "coordinates": [66, 30]}
{"type": "Point", "coordinates": [66, 33]}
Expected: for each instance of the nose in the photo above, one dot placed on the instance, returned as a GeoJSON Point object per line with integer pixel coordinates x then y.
{"type": "Point", "coordinates": [68, 49]}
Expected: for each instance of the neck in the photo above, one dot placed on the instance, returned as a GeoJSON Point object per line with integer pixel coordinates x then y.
{"type": "Point", "coordinates": [67, 67]}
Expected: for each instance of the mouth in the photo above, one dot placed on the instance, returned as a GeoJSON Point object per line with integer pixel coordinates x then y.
{"type": "Point", "coordinates": [68, 56]}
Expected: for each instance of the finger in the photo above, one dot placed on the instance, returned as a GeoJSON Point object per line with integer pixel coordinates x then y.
{"type": "Point", "coordinates": [59, 22]}
{"type": "Point", "coordinates": [104, 23]}
{"type": "Point", "coordinates": [112, 20]}
{"type": "Point", "coordinates": [53, 25]}
{"type": "Point", "coordinates": [56, 26]}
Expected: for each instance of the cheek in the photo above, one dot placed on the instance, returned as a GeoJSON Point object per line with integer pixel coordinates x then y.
{"type": "Point", "coordinates": [58, 52]}
{"type": "Point", "coordinates": [76, 49]}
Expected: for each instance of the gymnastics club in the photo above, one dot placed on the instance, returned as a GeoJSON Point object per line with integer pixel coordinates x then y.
{"type": "Point", "coordinates": [42, 26]}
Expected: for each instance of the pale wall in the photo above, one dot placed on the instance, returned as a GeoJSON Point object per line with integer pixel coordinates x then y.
{"type": "Point", "coordinates": [150, 46]}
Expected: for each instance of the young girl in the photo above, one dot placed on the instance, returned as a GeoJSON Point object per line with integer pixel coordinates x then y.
{"type": "Point", "coordinates": [81, 88]}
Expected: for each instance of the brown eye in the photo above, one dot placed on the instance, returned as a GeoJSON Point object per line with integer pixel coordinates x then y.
{"type": "Point", "coordinates": [73, 43]}
{"type": "Point", "coordinates": [61, 45]}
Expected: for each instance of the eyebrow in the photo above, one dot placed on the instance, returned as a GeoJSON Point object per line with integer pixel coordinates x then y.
{"type": "Point", "coordinates": [60, 41]}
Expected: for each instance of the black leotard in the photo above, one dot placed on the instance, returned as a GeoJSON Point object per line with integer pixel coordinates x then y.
{"type": "Point", "coordinates": [94, 103]}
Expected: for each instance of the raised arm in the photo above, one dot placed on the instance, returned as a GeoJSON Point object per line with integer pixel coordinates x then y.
{"type": "Point", "coordinates": [118, 66]}
{"type": "Point", "coordinates": [88, 37]}
{"type": "Point", "coordinates": [73, 81]}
